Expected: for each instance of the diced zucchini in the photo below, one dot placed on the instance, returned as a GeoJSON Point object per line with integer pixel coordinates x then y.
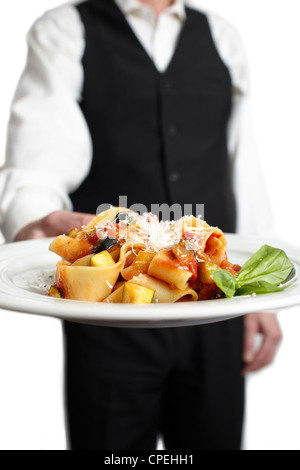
{"type": "Point", "coordinates": [54, 292]}
{"type": "Point", "coordinates": [102, 260]}
{"type": "Point", "coordinates": [205, 269]}
{"type": "Point", "coordinates": [136, 294]}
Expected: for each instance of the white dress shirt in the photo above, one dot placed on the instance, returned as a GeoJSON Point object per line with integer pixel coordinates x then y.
{"type": "Point", "coordinates": [49, 148]}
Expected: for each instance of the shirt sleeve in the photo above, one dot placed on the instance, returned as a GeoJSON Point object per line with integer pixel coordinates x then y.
{"type": "Point", "coordinates": [49, 148]}
{"type": "Point", "coordinates": [254, 210]}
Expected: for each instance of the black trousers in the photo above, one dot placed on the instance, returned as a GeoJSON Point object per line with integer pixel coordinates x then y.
{"type": "Point", "coordinates": [124, 387]}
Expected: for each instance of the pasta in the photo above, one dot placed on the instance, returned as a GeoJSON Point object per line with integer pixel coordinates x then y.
{"type": "Point", "coordinates": [124, 257]}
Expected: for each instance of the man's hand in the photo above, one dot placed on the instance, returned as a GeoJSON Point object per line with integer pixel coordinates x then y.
{"type": "Point", "coordinates": [267, 325]}
{"type": "Point", "coordinates": [54, 224]}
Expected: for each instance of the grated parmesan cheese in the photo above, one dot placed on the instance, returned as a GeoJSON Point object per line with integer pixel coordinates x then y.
{"type": "Point", "coordinates": [156, 235]}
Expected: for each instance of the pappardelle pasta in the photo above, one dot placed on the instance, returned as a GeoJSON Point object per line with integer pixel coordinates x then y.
{"type": "Point", "coordinates": [124, 257]}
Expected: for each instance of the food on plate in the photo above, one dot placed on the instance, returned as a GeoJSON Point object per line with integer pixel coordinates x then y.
{"type": "Point", "coordinates": [135, 294]}
{"type": "Point", "coordinates": [124, 257]}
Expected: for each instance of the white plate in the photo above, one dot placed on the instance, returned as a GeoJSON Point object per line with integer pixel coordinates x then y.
{"type": "Point", "coordinates": [27, 270]}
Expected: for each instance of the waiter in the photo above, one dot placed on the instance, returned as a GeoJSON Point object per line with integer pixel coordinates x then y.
{"type": "Point", "coordinates": [146, 99]}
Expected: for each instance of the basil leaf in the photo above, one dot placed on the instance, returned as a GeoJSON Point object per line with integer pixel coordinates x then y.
{"type": "Point", "coordinates": [268, 264]}
{"type": "Point", "coordinates": [225, 281]}
{"type": "Point", "coordinates": [263, 273]}
{"type": "Point", "coordinates": [260, 287]}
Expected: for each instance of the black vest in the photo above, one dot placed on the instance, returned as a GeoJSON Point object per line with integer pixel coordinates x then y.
{"type": "Point", "coordinates": [157, 137]}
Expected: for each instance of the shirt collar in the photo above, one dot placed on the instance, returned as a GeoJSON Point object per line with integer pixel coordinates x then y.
{"type": "Point", "coordinates": [131, 6]}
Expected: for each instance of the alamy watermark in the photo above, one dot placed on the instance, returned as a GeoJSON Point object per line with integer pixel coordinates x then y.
{"type": "Point", "coordinates": [162, 211]}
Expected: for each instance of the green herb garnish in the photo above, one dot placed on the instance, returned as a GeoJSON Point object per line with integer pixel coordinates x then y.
{"type": "Point", "coordinates": [263, 273]}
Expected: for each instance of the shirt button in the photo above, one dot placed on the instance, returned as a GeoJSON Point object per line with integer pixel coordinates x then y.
{"type": "Point", "coordinates": [174, 176]}
{"type": "Point", "coordinates": [172, 131]}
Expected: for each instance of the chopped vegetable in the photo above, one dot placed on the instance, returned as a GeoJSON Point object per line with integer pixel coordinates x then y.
{"type": "Point", "coordinates": [125, 217]}
{"type": "Point", "coordinates": [102, 260]}
{"type": "Point", "coordinates": [104, 244]}
{"type": "Point", "coordinates": [136, 294]}
{"type": "Point", "coordinates": [205, 272]}
{"type": "Point", "coordinates": [54, 292]}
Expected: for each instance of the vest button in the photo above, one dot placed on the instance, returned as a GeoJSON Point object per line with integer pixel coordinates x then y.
{"type": "Point", "coordinates": [174, 176]}
{"type": "Point", "coordinates": [168, 84]}
{"type": "Point", "coordinates": [172, 131]}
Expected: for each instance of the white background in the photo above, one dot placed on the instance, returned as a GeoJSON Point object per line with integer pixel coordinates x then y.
{"type": "Point", "coordinates": [31, 352]}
